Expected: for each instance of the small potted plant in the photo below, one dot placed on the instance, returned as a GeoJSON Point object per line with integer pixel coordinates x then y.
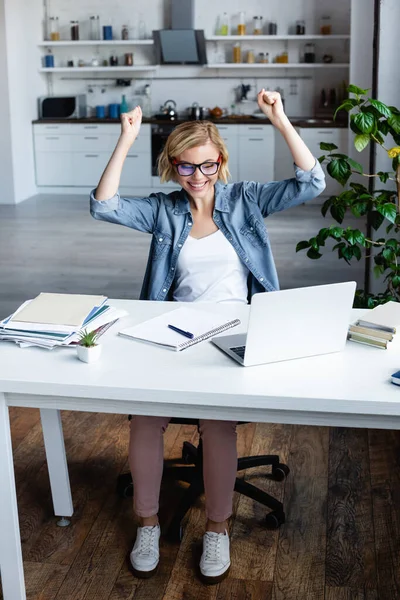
{"type": "Point", "coordinates": [88, 350]}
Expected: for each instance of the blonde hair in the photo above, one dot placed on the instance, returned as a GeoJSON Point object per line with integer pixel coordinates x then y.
{"type": "Point", "coordinates": [188, 135]}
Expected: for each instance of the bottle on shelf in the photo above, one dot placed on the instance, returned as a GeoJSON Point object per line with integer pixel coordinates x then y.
{"type": "Point", "coordinates": [237, 53]}
{"type": "Point", "coordinates": [125, 32]}
{"type": "Point", "coordinates": [123, 107]}
{"type": "Point", "coordinates": [250, 56]}
{"type": "Point", "coordinates": [74, 30]}
{"type": "Point", "coordinates": [257, 25]}
{"type": "Point", "coordinates": [300, 27]}
{"type": "Point", "coordinates": [146, 101]}
{"type": "Point", "coordinates": [49, 59]}
{"type": "Point", "coordinates": [224, 30]}
{"type": "Point", "coordinates": [309, 53]}
{"type": "Point", "coordinates": [241, 30]}
{"type": "Point", "coordinates": [54, 31]}
{"type": "Point", "coordinates": [95, 27]}
{"type": "Point", "coordinates": [326, 25]}
{"type": "Point", "coordinates": [272, 28]}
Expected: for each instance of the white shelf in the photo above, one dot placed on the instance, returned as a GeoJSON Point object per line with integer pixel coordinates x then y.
{"type": "Point", "coordinates": [254, 38]}
{"type": "Point", "coordinates": [97, 69]}
{"type": "Point", "coordinates": [278, 66]}
{"type": "Point", "coordinates": [97, 43]}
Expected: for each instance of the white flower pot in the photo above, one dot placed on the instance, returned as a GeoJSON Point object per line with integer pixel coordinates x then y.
{"type": "Point", "coordinates": [88, 355]}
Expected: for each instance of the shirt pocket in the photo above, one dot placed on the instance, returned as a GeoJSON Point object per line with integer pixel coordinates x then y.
{"type": "Point", "coordinates": [162, 244]}
{"type": "Point", "coordinates": [254, 230]}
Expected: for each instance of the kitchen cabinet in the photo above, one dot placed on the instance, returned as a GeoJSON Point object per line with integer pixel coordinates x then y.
{"type": "Point", "coordinates": [256, 153]}
{"type": "Point", "coordinates": [229, 134]}
{"type": "Point", "coordinates": [53, 168]}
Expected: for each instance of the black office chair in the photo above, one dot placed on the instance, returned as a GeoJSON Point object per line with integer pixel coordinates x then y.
{"type": "Point", "coordinates": [194, 476]}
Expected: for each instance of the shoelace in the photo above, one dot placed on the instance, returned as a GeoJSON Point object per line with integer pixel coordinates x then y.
{"type": "Point", "coordinates": [146, 543]}
{"type": "Point", "coordinates": [212, 547]}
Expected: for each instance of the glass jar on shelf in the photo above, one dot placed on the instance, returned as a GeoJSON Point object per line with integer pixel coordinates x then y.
{"type": "Point", "coordinates": [257, 25]}
{"type": "Point", "coordinates": [54, 31]}
{"type": "Point", "coordinates": [300, 27]}
{"type": "Point", "coordinates": [309, 53]}
{"type": "Point", "coordinates": [74, 30]}
{"type": "Point", "coordinates": [250, 56]}
{"type": "Point", "coordinates": [95, 27]}
{"type": "Point", "coordinates": [272, 28]}
{"type": "Point", "coordinates": [263, 57]}
{"type": "Point", "coordinates": [326, 25]}
{"type": "Point", "coordinates": [224, 30]}
{"type": "Point", "coordinates": [237, 53]}
{"type": "Point", "coordinates": [241, 30]}
{"type": "Point", "coordinates": [125, 32]}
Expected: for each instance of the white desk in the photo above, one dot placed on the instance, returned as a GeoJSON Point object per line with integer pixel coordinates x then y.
{"type": "Point", "coordinates": [351, 389]}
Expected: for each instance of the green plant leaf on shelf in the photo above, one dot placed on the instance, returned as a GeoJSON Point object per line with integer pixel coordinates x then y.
{"type": "Point", "coordinates": [361, 141]}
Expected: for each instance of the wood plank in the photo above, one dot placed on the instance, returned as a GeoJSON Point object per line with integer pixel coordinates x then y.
{"type": "Point", "coordinates": [96, 452]}
{"type": "Point", "coordinates": [350, 558]}
{"type": "Point", "coordinates": [242, 589]}
{"type": "Point", "coordinates": [22, 420]}
{"type": "Point", "coordinates": [249, 530]}
{"type": "Point", "coordinates": [346, 593]}
{"type": "Point", "coordinates": [300, 558]}
{"type": "Point", "coordinates": [385, 482]}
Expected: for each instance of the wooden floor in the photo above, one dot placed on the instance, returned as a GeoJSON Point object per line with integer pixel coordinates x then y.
{"type": "Point", "coordinates": [341, 540]}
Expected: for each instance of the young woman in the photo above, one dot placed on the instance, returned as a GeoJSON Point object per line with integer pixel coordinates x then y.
{"type": "Point", "coordinates": [209, 244]}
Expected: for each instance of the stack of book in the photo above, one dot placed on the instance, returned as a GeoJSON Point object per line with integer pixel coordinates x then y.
{"type": "Point", "coordinates": [376, 327]}
{"type": "Point", "coordinates": [52, 320]}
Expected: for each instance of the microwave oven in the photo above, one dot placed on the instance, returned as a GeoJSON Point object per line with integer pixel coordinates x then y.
{"type": "Point", "coordinates": [62, 107]}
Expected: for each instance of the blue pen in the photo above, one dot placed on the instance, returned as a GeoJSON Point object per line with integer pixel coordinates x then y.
{"type": "Point", "coordinates": [185, 333]}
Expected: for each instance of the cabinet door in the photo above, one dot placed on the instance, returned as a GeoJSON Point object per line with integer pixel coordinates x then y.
{"type": "Point", "coordinates": [256, 158]}
{"type": "Point", "coordinates": [88, 167]}
{"type": "Point", "coordinates": [136, 171]}
{"type": "Point", "coordinates": [53, 168]}
{"type": "Point", "coordinates": [232, 145]}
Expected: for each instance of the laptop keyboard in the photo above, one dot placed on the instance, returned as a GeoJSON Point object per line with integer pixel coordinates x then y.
{"type": "Point", "coordinates": [239, 350]}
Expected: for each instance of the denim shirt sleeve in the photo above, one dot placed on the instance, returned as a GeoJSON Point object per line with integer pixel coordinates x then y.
{"type": "Point", "coordinates": [137, 213]}
{"type": "Point", "coordinates": [278, 195]}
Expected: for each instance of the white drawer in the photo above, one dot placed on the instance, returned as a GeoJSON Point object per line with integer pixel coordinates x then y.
{"type": "Point", "coordinates": [46, 128]}
{"type": "Point", "coordinates": [136, 171]}
{"type": "Point", "coordinates": [52, 142]}
{"type": "Point", "coordinates": [87, 167]}
{"type": "Point", "coordinates": [260, 130]}
{"type": "Point", "coordinates": [95, 128]}
{"type": "Point", "coordinates": [92, 142]}
{"type": "Point", "coordinates": [227, 131]}
{"type": "Point", "coordinates": [53, 168]}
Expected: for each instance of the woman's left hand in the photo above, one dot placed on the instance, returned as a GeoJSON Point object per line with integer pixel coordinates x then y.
{"type": "Point", "coordinates": [271, 105]}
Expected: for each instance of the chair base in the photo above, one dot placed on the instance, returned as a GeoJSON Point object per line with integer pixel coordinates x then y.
{"type": "Point", "coordinates": [193, 475]}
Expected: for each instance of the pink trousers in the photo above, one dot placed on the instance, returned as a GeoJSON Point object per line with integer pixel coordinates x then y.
{"type": "Point", "coordinates": [146, 457]}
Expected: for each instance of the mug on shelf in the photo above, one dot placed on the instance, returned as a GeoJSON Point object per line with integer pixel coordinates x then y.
{"type": "Point", "coordinates": [113, 111]}
{"type": "Point", "coordinates": [107, 32]}
{"type": "Point", "coordinates": [100, 112]}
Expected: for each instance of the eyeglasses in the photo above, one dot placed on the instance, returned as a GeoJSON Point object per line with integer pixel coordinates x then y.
{"type": "Point", "coordinates": [187, 169]}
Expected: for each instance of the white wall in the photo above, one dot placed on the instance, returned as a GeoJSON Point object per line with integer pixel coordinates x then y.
{"type": "Point", "coordinates": [6, 170]}
{"type": "Point", "coordinates": [23, 27]}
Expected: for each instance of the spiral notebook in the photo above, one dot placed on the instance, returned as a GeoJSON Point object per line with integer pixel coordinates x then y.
{"type": "Point", "coordinates": [202, 324]}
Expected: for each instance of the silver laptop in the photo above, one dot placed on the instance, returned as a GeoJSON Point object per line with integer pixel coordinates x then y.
{"type": "Point", "coordinates": [293, 324]}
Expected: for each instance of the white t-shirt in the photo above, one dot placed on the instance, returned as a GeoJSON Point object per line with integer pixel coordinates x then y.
{"type": "Point", "coordinates": [209, 270]}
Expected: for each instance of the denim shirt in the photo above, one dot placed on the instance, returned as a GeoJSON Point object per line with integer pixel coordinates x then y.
{"type": "Point", "coordinates": [238, 212]}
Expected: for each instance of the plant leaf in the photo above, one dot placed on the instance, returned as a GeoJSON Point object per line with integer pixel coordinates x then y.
{"type": "Point", "coordinates": [388, 210]}
{"type": "Point", "coordinates": [365, 122]}
{"type": "Point", "coordinates": [353, 89]}
{"type": "Point", "coordinates": [338, 211]}
{"type": "Point", "coordinates": [321, 159]}
{"type": "Point", "coordinates": [313, 254]}
{"type": "Point", "coordinates": [336, 232]}
{"type": "Point", "coordinates": [376, 219]}
{"type": "Point", "coordinates": [302, 246]}
{"type": "Point", "coordinates": [339, 169]}
{"type": "Point", "coordinates": [356, 166]}
{"type": "Point", "coordinates": [327, 146]}
{"type": "Point", "coordinates": [394, 122]}
{"type": "Point", "coordinates": [383, 176]}
{"type": "Point", "coordinates": [361, 141]}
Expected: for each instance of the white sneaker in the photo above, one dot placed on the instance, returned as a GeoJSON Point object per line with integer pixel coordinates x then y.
{"type": "Point", "coordinates": [145, 554]}
{"type": "Point", "coordinates": [215, 560]}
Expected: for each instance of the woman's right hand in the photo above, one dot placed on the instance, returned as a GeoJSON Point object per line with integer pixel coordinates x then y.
{"type": "Point", "coordinates": [130, 125]}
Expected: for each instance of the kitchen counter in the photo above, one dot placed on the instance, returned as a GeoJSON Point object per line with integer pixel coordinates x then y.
{"type": "Point", "coordinates": [240, 120]}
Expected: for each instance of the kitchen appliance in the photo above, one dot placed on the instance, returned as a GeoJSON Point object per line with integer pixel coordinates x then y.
{"type": "Point", "coordinates": [159, 136]}
{"type": "Point", "coordinates": [182, 14]}
{"type": "Point", "coordinates": [196, 112]}
{"type": "Point", "coordinates": [167, 111]}
{"type": "Point", "coordinates": [180, 47]}
{"type": "Point", "coordinates": [62, 107]}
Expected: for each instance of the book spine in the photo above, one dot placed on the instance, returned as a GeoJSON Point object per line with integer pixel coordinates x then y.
{"type": "Point", "coordinates": [363, 323]}
{"type": "Point", "coordinates": [208, 335]}
{"type": "Point", "coordinates": [368, 341]}
{"type": "Point", "coordinates": [369, 331]}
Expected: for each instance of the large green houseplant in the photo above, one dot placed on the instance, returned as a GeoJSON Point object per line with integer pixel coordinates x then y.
{"type": "Point", "coordinates": [371, 121]}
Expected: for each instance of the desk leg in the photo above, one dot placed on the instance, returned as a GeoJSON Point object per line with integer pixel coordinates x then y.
{"type": "Point", "coordinates": [57, 462]}
{"type": "Point", "coordinates": [11, 567]}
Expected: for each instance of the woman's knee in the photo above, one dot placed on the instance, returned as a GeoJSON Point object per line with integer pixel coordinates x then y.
{"type": "Point", "coordinates": [217, 429]}
{"type": "Point", "coordinates": [148, 425]}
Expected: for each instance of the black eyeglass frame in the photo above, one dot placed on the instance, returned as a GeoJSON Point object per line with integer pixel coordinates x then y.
{"type": "Point", "coordinates": [197, 166]}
